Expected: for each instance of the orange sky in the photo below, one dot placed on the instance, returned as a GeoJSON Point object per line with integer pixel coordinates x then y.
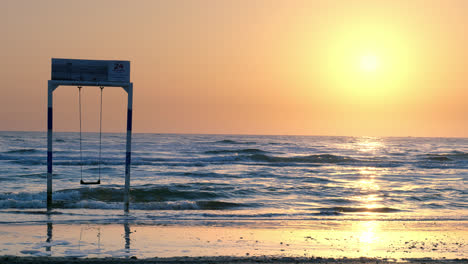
{"type": "Point", "coordinates": [245, 66]}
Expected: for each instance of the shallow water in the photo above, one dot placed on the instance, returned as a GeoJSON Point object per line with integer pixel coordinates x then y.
{"type": "Point", "coordinates": [230, 179]}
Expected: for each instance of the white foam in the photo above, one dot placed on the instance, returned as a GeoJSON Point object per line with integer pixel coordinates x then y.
{"type": "Point", "coordinates": [10, 203]}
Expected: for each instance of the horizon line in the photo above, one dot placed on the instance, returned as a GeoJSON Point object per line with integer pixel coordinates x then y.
{"type": "Point", "coordinates": [240, 134]}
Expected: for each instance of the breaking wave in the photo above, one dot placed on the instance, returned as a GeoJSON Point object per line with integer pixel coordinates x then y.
{"type": "Point", "coordinates": [147, 198]}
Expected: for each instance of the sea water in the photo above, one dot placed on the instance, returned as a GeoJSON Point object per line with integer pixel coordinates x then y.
{"type": "Point", "coordinates": [234, 179]}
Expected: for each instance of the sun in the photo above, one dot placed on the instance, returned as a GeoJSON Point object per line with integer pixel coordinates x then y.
{"type": "Point", "coordinates": [369, 62]}
{"type": "Point", "coordinates": [366, 64]}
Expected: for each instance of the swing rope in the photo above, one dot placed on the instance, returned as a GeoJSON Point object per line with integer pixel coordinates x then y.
{"type": "Point", "coordinates": [100, 135]}
{"type": "Point", "coordinates": [100, 141]}
{"type": "Point", "coordinates": [81, 148]}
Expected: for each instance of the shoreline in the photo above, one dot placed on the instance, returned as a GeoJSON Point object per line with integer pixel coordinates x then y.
{"type": "Point", "coordinates": [223, 260]}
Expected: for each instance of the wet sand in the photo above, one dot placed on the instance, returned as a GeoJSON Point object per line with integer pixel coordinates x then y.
{"type": "Point", "coordinates": [307, 242]}
{"type": "Point", "coordinates": [220, 260]}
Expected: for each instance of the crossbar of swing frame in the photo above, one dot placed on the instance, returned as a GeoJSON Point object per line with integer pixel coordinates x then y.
{"type": "Point", "coordinates": [54, 84]}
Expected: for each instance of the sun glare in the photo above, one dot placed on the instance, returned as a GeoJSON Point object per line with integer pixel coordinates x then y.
{"type": "Point", "coordinates": [369, 63]}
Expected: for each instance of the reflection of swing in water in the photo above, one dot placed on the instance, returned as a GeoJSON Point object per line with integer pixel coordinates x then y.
{"type": "Point", "coordinates": [127, 238]}
{"type": "Point", "coordinates": [100, 140]}
{"type": "Point", "coordinates": [98, 235]}
{"type": "Point", "coordinates": [49, 235]}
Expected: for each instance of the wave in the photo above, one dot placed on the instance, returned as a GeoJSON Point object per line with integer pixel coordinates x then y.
{"type": "Point", "coordinates": [233, 142]}
{"type": "Point", "coordinates": [142, 197]}
{"type": "Point", "coordinates": [207, 174]}
{"type": "Point", "coordinates": [242, 155]}
{"type": "Point", "coordinates": [218, 205]}
{"type": "Point", "coordinates": [170, 205]}
{"type": "Point", "coordinates": [27, 150]}
{"type": "Point", "coordinates": [451, 156]}
{"type": "Point", "coordinates": [438, 158]}
{"type": "Point", "coordinates": [43, 161]}
{"type": "Point", "coordinates": [238, 151]}
{"type": "Point", "coordinates": [90, 204]}
{"type": "Point", "coordinates": [319, 158]}
{"type": "Point", "coordinates": [143, 194]}
{"type": "Point", "coordinates": [272, 215]}
{"type": "Point", "coordinates": [32, 176]}
{"type": "Point", "coordinates": [359, 210]}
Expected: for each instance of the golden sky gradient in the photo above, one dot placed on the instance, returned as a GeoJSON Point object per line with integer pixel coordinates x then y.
{"type": "Point", "coordinates": [351, 68]}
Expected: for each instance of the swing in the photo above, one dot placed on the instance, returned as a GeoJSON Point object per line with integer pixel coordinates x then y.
{"type": "Point", "coordinates": [81, 149]}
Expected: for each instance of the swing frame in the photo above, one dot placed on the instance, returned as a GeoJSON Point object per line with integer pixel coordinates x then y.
{"type": "Point", "coordinates": [54, 84]}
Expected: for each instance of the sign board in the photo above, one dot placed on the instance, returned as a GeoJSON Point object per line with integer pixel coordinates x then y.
{"type": "Point", "coordinates": [91, 70]}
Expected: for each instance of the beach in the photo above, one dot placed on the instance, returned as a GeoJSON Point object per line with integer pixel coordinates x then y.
{"type": "Point", "coordinates": [216, 260]}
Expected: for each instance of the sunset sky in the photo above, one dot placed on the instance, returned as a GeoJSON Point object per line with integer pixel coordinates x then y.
{"type": "Point", "coordinates": [350, 68]}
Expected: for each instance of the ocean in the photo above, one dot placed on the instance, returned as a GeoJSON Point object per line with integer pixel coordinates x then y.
{"type": "Point", "coordinates": [230, 180]}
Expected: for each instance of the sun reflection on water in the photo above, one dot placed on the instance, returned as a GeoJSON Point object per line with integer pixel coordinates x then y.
{"type": "Point", "coordinates": [369, 144]}
{"type": "Point", "coordinates": [365, 144]}
{"type": "Point", "coordinates": [367, 188]}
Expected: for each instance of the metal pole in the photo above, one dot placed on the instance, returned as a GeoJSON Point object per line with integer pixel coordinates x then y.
{"type": "Point", "coordinates": [50, 90]}
{"type": "Point", "coordinates": [129, 147]}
